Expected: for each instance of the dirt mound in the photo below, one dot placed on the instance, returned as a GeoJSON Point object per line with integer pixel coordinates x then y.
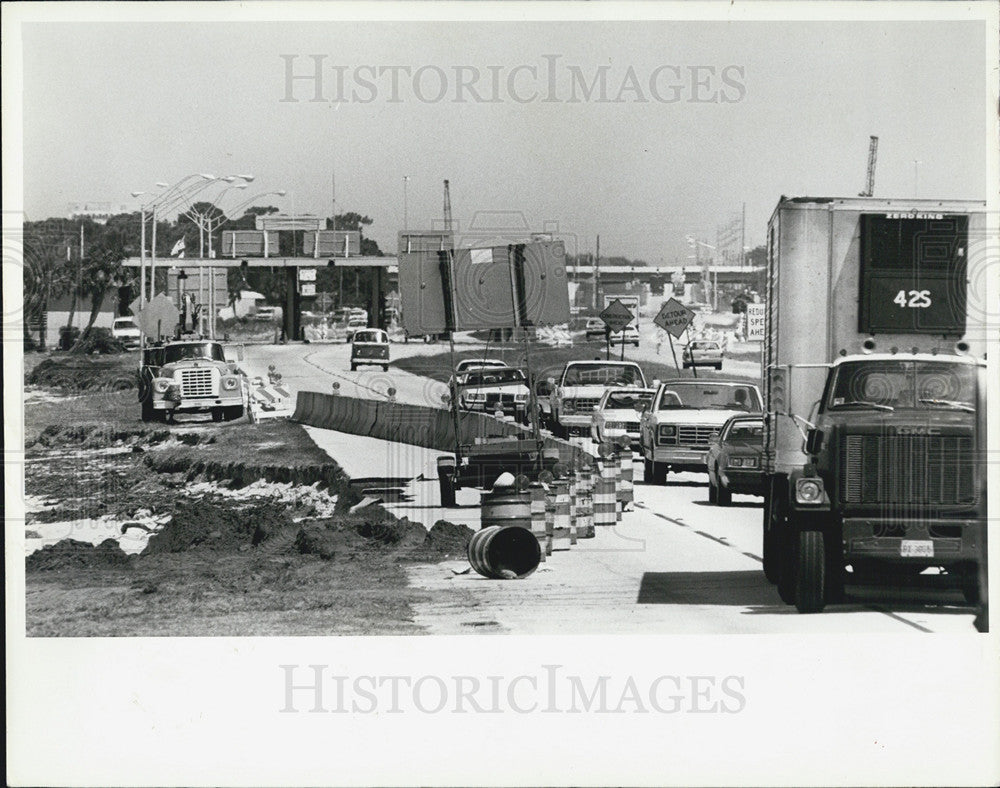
{"type": "Point", "coordinates": [385, 529]}
{"type": "Point", "coordinates": [449, 538]}
{"type": "Point", "coordinates": [203, 524]}
{"type": "Point", "coordinates": [84, 373]}
{"type": "Point", "coordinates": [73, 554]}
{"type": "Point", "coordinates": [316, 540]}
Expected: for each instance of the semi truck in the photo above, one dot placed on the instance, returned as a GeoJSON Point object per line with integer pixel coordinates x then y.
{"type": "Point", "coordinates": [873, 373]}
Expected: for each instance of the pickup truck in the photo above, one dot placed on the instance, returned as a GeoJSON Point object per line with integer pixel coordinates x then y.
{"type": "Point", "coordinates": [685, 415]}
{"type": "Point", "coordinates": [580, 388]}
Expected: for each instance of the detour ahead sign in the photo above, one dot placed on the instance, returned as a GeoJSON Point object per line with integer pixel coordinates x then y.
{"type": "Point", "coordinates": [674, 317]}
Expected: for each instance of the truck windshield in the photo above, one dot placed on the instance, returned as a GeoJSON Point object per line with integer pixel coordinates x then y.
{"type": "Point", "coordinates": [495, 377]}
{"type": "Point", "coordinates": [211, 351]}
{"type": "Point", "coordinates": [627, 400]}
{"type": "Point", "coordinates": [887, 385]}
{"type": "Point", "coordinates": [603, 375]}
{"type": "Point", "coordinates": [705, 395]}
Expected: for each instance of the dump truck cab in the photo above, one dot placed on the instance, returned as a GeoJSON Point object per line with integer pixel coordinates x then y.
{"type": "Point", "coordinates": [190, 376]}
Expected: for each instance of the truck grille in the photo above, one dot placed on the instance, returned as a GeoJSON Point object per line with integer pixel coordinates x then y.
{"type": "Point", "coordinates": [695, 435]}
{"type": "Point", "coordinates": [197, 383]}
{"type": "Point", "coordinates": [908, 469]}
{"type": "Point", "coordinates": [582, 404]}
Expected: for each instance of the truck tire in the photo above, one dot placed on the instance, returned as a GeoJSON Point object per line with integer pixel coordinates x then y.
{"type": "Point", "coordinates": [771, 548]}
{"type": "Point", "coordinates": [723, 496]}
{"type": "Point", "coordinates": [217, 414]}
{"type": "Point", "coordinates": [354, 367]}
{"type": "Point", "coordinates": [147, 409]}
{"type": "Point", "coordinates": [810, 572]}
{"type": "Point", "coordinates": [232, 413]}
{"type": "Point", "coordinates": [719, 365]}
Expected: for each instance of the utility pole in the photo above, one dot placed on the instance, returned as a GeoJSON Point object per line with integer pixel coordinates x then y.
{"type": "Point", "coordinates": [79, 276]}
{"type": "Point", "coordinates": [597, 273]}
{"type": "Point", "coordinates": [743, 237]}
{"type": "Point", "coordinates": [447, 207]}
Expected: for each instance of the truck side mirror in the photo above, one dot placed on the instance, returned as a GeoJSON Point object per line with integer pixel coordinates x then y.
{"type": "Point", "coordinates": [814, 440]}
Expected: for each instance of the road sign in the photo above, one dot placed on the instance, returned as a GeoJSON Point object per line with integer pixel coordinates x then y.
{"type": "Point", "coordinates": [674, 317]}
{"type": "Point", "coordinates": [307, 288]}
{"type": "Point", "coordinates": [616, 316]}
{"type": "Point", "coordinates": [755, 322]}
{"type": "Point", "coordinates": [307, 274]}
{"type": "Point", "coordinates": [158, 318]}
{"type": "Point", "coordinates": [629, 302]}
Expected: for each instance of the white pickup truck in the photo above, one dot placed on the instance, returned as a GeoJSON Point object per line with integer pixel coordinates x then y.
{"type": "Point", "coordinates": [581, 386]}
{"type": "Point", "coordinates": [684, 416]}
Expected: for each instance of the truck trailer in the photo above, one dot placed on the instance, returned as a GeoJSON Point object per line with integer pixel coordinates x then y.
{"type": "Point", "coordinates": [873, 374]}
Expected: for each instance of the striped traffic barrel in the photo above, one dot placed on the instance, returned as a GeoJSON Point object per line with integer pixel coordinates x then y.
{"type": "Point", "coordinates": [504, 552]}
{"type": "Point", "coordinates": [605, 502]}
{"type": "Point", "coordinates": [504, 506]}
{"type": "Point", "coordinates": [559, 493]}
{"type": "Point", "coordinates": [626, 490]}
{"type": "Point", "coordinates": [574, 506]}
{"type": "Point", "coordinates": [585, 511]}
{"type": "Point", "coordinates": [537, 494]}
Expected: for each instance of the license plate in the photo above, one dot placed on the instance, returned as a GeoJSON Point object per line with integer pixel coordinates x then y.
{"type": "Point", "coordinates": [910, 548]}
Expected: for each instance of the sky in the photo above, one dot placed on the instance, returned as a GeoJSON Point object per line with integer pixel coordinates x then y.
{"type": "Point", "coordinates": [696, 119]}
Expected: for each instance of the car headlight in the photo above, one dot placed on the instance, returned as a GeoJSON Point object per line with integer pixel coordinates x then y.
{"type": "Point", "coordinates": [160, 385]}
{"type": "Point", "coordinates": [614, 425]}
{"type": "Point", "coordinates": [735, 462]}
{"type": "Point", "coordinates": [230, 384]}
{"type": "Point", "coordinates": [750, 462]}
{"type": "Point", "coordinates": [809, 491]}
{"type": "Point", "coordinates": [569, 406]}
{"type": "Point", "coordinates": [520, 398]}
{"type": "Point", "coordinates": [477, 397]}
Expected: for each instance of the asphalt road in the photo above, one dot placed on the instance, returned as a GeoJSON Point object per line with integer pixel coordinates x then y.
{"type": "Point", "coordinates": [673, 565]}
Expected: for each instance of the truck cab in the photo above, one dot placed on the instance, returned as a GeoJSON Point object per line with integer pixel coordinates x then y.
{"type": "Point", "coordinates": [188, 377]}
{"type": "Point", "coordinates": [685, 415]}
{"type": "Point", "coordinates": [580, 388]}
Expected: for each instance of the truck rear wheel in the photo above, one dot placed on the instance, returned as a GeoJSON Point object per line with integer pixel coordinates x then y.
{"type": "Point", "coordinates": [810, 572]}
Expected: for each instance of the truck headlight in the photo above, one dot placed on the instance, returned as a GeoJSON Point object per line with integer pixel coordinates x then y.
{"type": "Point", "coordinates": [230, 384]}
{"type": "Point", "coordinates": [160, 385]}
{"type": "Point", "coordinates": [569, 406]}
{"type": "Point", "coordinates": [809, 491]}
{"type": "Point", "coordinates": [735, 462]}
{"type": "Point", "coordinates": [520, 398]}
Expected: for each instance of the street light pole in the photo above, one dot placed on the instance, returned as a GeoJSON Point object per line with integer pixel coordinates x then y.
{"type": "Point", "coordinates": [406, 203]}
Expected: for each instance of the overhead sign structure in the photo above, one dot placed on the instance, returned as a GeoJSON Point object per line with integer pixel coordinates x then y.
{"type": "Point", "coordinates": [616, 316]}
{"type": "Point", "coordinates": [755, 322]}
{"type": "Point", "coordinates": [158, 318]}
{"type": "Point", "coordinates": [674, 317]}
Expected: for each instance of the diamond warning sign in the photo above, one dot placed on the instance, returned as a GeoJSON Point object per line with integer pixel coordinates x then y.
{"type": "Point", "coordinates": [617, 316]}
{"type": "Point", "coordinates": [674, 317]}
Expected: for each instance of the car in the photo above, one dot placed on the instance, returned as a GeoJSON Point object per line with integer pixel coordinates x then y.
{"type": "Point", "coordinates": [493, 389]}
{"type": "Point", "coordinates": [686, 413]}
{"type": "Point", "coordinates": [617, 414]}
{"type": "Point", "coordinates": [628, 336]}
{"type": "Point", "coordinates": [187, 377]}
{"type": "Point", "coordinates": [595, 328]}
{"type": "Point", "coordinates": [703, 353]}
{"type": "Point", "coordinates": [580, 388]}
{"type": "Point", "coordinates": [126, 331]}
{"type": "Point", "coordinates": [735, 460]}
{"type": "Point", "coordinates": [370, 346]}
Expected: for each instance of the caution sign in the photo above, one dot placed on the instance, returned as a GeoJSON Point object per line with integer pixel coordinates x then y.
{"type": "Point", "coordinates": [616, 316]}
{"type": "Point", "coordinates": [755, 322]}
{"type": "Point", "coordinates": [674, 317]}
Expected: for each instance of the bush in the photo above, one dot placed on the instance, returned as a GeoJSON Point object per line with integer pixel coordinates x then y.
{"type": "Point", "coordinates": [100, 341]}
{"type": "Point", "coordinates": [68, 336]}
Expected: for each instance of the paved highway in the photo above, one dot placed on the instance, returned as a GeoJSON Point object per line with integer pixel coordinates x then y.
{"type": "Point", "coordinates": [674, 565]}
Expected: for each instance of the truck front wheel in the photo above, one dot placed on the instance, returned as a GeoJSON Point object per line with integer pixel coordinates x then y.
{"type": "Point", "coordinates": [810, 572]}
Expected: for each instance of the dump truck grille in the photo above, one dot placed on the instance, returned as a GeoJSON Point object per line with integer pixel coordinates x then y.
{"type": "Point", "coordinates": [908, 469]}
{"type": "Point", "coordinates": [197, 383]}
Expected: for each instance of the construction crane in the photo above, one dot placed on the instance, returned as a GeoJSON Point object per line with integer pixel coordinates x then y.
{"type": "Point", "coordinates": [870, 180]}
{"type": "Point", "coordinates": [447, 207]}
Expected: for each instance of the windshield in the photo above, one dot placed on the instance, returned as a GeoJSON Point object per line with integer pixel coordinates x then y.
{"type": "Point", "coordinates": [888, 385]}
{"type": "Point", "coordinates": [603, 375]}
{"type": "Point", "coordinates": [211, 351]}
{"type": "Point", "coordinates": [124, 322]}
{"type": "Point", "coordinates": [494, 377]}
{"type": "Point", "coordinates": [370, 336]}
{"type": "Point", "coordinates": [706, 395]}
{"type": "Point", "coordinates": [626, 400]}
{"type": "Point", "coordinates": [745, 432]}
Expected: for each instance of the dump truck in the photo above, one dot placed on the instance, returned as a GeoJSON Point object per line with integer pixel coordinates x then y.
{"type": "Point", "coordinates": [873, 373]}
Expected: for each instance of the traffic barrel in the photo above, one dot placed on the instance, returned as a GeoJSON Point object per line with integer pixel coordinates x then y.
{"type": "Point", "coordinates": [504, 552]}
{"type": "Point", "coordinates": [506, 505]}
{"type": "Point", "coordinates": [537, 494]}
{"type": "Point", "coordinates": [559, 491]}
{"type": "Point", "coordinates": [585, 512]}
{"type": "Point", "coordinates": [626, 490]}
{"type": "Point", "coordinates": [605, 503]}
